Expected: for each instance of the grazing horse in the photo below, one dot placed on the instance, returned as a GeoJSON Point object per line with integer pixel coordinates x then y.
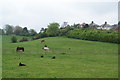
{"type": "Point", "coordinates": [46, 48]}
{"type": "Point", "coordinates": [42, 41]}
{"type": "Point", "coordinates": [20, 49]}
{"type": "Point", "coordinates": [20, 64]}
{"type": "Point", "coordinates": [53, 57]}
{"type": "Point", "coordinates": [42, 56]}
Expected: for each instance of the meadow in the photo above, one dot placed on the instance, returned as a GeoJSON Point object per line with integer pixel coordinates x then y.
{"type": "Point", "coordinates": [74, 59]}
{"type": "Point", "coordinates": [0, 57]}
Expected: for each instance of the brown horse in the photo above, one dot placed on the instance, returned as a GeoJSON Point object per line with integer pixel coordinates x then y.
{"type": "Point", "coordinates": [42, 41]}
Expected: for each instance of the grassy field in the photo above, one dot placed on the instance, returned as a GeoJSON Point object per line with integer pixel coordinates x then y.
{"type": "Point", "coordinates": [85, 59]}
{"type": "Point", "coordinates": [0, 57]}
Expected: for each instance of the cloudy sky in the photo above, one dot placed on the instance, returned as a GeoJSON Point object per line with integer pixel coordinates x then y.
{"type": "Point", "coordinates": [36, 14]}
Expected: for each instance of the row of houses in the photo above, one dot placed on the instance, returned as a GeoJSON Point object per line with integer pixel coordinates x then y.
{"type": "Point", "coordinates": [93, 25]}
{"type": "Point", "coordinates": [104, 26]}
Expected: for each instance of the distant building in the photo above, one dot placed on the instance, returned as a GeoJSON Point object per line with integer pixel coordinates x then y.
{"type": "Point", "coordinates": [82, 25]}
{"type": "Point", "coordinates": [93, 25]}
{"type": "Point", "coordinates": [105, 26]}
{"type": "Point", "coordinates": [64, 24]}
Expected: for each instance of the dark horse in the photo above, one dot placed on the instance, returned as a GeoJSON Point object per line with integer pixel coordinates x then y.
{"type": "Point", "coordinates": [20, 64]}
{"type": "Point", "coordinates": [20, 49]}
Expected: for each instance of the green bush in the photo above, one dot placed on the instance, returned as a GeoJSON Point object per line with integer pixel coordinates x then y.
{"type": "Point", "coordinates": [14, 39]}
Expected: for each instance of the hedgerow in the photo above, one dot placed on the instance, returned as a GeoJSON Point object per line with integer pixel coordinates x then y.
{"type": "Point", "coordinates": [94, 35]}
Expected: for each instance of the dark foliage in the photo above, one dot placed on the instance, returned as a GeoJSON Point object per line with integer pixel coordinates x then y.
{"type": "Point", "coordinates": [23, 39]}
{"type": "Point", "coordinates": [40, 35]}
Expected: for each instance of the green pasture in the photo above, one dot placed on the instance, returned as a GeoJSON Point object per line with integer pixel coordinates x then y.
{"type": "Point", "coordinates": [74, 59]}
{"type": "Point", "coordinates": [0, 57]}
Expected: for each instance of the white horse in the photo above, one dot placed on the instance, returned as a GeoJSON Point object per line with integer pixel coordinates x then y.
{"type": "Point", "coordinates": [46, 48]}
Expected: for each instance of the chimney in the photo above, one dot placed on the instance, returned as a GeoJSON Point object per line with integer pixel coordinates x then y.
{"type": "Point", "coordinates": [105, 22]}
{"type": "Point", "coordinates": [92, 22]}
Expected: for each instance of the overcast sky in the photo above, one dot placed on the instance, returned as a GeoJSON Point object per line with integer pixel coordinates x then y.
{"type": "Point", "coordinates": [36, 14]}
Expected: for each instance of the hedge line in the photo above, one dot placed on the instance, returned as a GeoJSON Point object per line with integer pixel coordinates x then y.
{"type": "Point", "coordinates": [95, 35]}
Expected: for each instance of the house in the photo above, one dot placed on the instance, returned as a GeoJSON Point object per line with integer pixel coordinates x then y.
{"type": "Point", "coordinates": [64, 25]}
{"type": "Point", "coordinates": [82, 25]}
{"type": "Point", "coordinates": [105, 26]}
{"type": "Point", "coordinates": [93, 25]}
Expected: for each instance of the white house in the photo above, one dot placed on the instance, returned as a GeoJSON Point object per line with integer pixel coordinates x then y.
{"type": "Point", "coordinates": [105, 26]}
{"type": "Point", "coordinates": [93, 25]}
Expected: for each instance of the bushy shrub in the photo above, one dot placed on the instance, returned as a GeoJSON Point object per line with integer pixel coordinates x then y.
{"type": "Point", "coordinates": [14, 39]}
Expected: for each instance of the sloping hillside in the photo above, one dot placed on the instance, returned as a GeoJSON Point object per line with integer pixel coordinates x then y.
{"type": "Point", "coordinates": [74, 59]}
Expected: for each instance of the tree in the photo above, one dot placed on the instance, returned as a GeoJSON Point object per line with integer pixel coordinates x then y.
{"type": "Point", "coordinates": [42, 30]}
{"type": "Point", "coordinates": [32, 32]}
{"type": "Point", "coordinates": [25, 32]}
{"type": "Point", "coordinates": [9, 29]}
{"type": "Point", "coordinates": [53, 29]}
{"type": "Point", "coordinates": [64, 31]}
{"type": "Point", "coordinates": [2, 32]}
{"type": "Point", "coordinates": [119, 23]}
{"type": "Point", "coordinates": [14, 39]}
{"type": "Point", "coordinates": [18, 30]}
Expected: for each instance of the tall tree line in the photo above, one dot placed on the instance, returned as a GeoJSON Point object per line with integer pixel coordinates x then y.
{"type": "Point", "coordinates": [17, 30]}
{"type": "Point", "coordinates": [71, 31]}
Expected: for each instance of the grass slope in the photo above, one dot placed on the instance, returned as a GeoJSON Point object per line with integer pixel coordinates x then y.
{"type": "Point", "coordinates": [85, 59]}
{"type": "Point", "coordinates": [0, 57]}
